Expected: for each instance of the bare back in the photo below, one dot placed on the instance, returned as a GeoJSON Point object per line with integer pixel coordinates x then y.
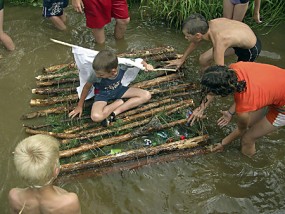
{"type": "Point", "coordinates": [44, 200]}
{"type": "Point", "coordinates": [230, 33]}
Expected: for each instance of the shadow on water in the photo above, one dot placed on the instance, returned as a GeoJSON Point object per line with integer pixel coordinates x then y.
{"type": "Point", "coordinates": [217, 183]}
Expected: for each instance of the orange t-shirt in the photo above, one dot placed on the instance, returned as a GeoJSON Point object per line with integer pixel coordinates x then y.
{"type": "Point", "coordinates": [265, 86]}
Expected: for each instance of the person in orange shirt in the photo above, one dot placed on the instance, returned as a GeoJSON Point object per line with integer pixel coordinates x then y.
{"type": "Point", "coordinates": [256, 88]}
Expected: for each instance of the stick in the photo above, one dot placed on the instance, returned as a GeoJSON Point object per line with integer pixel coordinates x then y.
{"type": "Point", "coordinates": [63, 43]}
{"type": "Point", "coordinates": [164, 69]}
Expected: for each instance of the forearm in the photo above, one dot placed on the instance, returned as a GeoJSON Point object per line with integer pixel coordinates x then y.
{"type": "Point", "coordinates": [205, 105]}
{"type": "Point", "coordinates": [189, 50]}
{"type": "Point", "coordinates": [83, 96]}
{"type": "Point", "coordinates": [232, 109]}
{"type": "Point", "coordinates": [233, 136]}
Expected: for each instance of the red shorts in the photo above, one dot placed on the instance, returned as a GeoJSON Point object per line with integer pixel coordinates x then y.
{"type": "Point", "coordinates": [276, 116]}
{"type": "Point", "coordinates": [99, 12]}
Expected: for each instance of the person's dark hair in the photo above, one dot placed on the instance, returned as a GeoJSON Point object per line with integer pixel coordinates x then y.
{"type": "Point", "coordinates": [105, 60]}
{"type": "Point", "coordinates": [195, 23]}
{"type": "Point", "coordinates": [220, 80]}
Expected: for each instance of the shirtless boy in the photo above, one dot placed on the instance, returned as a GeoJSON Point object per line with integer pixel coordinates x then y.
{"type": "Point", "coordinates": [37, 162]}
{"type": "Point", "coordinates": [227, 37]}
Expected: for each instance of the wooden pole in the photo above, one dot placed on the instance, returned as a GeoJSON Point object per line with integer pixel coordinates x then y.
{"type": "Point", "coordinates": [135, 154]}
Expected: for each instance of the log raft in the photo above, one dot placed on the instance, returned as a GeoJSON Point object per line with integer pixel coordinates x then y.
{"type": "Point", "coordinates": [171, 94]}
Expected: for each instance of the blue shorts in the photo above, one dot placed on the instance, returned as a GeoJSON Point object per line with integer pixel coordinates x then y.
{"type": "Point", "coordinates": [54, 7]}
{"type": "Point", "coordinates": [106, 95]}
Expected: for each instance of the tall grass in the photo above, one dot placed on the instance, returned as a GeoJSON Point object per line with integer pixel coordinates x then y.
{"type": "Point", "coordinates": [173, 12]}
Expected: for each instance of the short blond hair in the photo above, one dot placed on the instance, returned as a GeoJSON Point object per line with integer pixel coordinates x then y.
{"type": "Point", "coordinates": [35, 158]}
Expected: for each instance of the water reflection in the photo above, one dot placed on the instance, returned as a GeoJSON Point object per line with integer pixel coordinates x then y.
{"type": "Point", "coordinates": [225, 182]}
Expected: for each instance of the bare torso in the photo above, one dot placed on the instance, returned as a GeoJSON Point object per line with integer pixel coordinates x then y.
{"type": "Point", "coordinates": [231, 33]}
{"type": "Point", "coordinates": [47, 199]}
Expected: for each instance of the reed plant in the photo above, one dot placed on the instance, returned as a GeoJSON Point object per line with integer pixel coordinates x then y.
{"type": "Point", "coordinates": [173, 12]}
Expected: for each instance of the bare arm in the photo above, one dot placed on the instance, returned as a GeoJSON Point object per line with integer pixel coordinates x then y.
{"type": "Point", "coordinates": [219, 50]}
{"type": "Point", "coordinates": [242, 123]}
{"type": "Point", "coordinates": [84, 93]}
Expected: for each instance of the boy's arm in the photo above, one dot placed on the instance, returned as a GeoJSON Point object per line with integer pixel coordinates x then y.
{"type": "Point", "coordinates": [219, 50]}
{"type": "Point", "coordinates": [84, 93]}
{"type": "Point", "coordinates": [188, 51]}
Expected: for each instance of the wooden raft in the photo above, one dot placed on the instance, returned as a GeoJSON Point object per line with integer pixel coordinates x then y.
{"type": "Point", "coordinates": [88, 149]}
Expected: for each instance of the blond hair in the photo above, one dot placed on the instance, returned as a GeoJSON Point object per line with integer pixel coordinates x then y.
{"type": "Point", "coordinates": [35, 158]}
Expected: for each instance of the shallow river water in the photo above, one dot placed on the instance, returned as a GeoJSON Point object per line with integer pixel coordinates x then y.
{"type": "Point", "coordinates": [225, 182]}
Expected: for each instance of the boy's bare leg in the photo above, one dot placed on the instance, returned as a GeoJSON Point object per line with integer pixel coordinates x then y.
{"type": "Point", "coordinates": [137, 97]}
{"type": "Point", "coordinates": [100, 109]}
{"type": "Point", "coordinates": [120, 28]}
{"type": "Point", "coordinates": [7, 41]}
{"type": "Point", "coordinates": [258, 130]}
{"type": "Point", "coordinates": [99, 35]}
{"type": "Point", "coordinates": [58, 22]}
{"type": "Point", "coordinates": [240, 11]}
{"type": "Point", "coordinates": [228, 9]}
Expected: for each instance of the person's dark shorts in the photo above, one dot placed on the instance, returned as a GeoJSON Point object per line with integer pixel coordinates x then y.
{"type": "Point", "coordinates": [1, 4]}
{"type": "Point", "coordinates": [54, 7]}
{"type": "Point", "coordinates": [248, 55]}
{"type": "Point", "coordinates": [107, 95]}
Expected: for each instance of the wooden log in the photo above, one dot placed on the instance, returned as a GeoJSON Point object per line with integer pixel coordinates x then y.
{"type": "Point", "coordinates": [135, 154]}
{"type": "Point", "coordinates": [53, 91]}
{"type": "Point", "coordinates": [54, 134]}
{"type": "Point", "coordinates": [147, 52]}
{"type": "Point", "coordinates": [58, 82]}
{"type": "Point", "coordinates": [156, 81]}
{"type": "Point", "coordinates": [128, 165]}
{"type": "Point", "coordinates": [162, 57]}
{"type": "Point", "coordinates": [118, 139]}
{"type": "Point", "coordinates": [56, 68]}
{"type": "Point", "coordinates": [57, 75]}
{"type": "Point", "coordinates": [45, 112]}
{"type": "Point", "coordinates": [53, 100]}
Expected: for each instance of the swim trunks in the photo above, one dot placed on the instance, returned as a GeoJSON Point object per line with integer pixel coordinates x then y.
{"type": "Point", "coordinates": [98, 13]}
{"type": "Point", "coordinates": [248, 55]}
{"type": "Point", "coordinates": [239, 1]}
{"type": "Point", "coordinates": [54, 7]}
{"type": "Point", "coordinates": [1, 4]}
{"type": "Point", "coordinates": [276, 116]}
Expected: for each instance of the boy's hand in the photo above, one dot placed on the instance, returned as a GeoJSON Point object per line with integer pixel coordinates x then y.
{"type": "Point", "coordinates": [177, 62]}
{"type": "Point", "coordinates": [78, 5]}
{"type": "Point", "coordinates": [149, 67]}
{"type": "Point", "coordinates": [76, 111]}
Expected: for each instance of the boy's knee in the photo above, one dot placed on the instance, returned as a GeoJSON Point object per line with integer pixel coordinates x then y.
{"type": "Point", "coordinates": [96, 117]}
{"type": "Point", "coordinates": [147, 96]}
{"type": "Point", "coordinates": [123, 21]}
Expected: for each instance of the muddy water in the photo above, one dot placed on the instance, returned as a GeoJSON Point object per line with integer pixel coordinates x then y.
{"type": "Point", "coordinates": [217, 183]}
